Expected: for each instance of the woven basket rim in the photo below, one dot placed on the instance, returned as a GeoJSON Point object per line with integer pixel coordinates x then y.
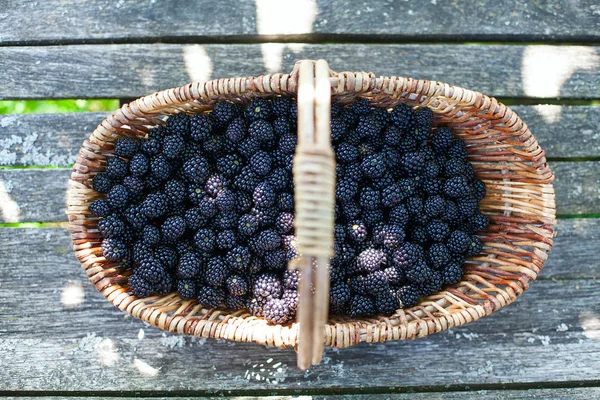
{"type": "Point", "coordinates": [484, 288]}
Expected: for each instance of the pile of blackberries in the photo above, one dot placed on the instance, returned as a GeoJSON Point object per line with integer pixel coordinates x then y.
{"type": "Point", "coordinates": [204, 205]}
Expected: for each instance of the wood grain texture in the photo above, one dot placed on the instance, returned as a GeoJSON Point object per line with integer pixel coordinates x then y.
{"type": "Point", "coordinates": [127, 71]}
{"type": "Point", "coordinates": [39, 194]}
{"type": "Point", "coordinates": [55, 139]}
{"type": "Point", "coordinates": [88, 21]}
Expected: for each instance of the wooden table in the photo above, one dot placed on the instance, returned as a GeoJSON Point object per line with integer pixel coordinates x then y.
{"type": "Point", "coordinates": [59, 337]}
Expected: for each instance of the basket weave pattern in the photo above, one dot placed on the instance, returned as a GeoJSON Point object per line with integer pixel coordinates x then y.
{"type": "Point", "coordinates": [506, 156]}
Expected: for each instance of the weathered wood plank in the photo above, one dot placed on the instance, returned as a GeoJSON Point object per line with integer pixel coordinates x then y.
{"type": "Point", "coordinates": [570, 131]}
{"type": "Point", "coordinates": [54, 21]}
{"type": "Point", "coordinates": [89, 346]}
{"type": "Point", "coordinates": [125, 71]}
{"type": "Point", "coordinates": [38, 195]}
{"type": "Point", "coordinates": [583, 393]}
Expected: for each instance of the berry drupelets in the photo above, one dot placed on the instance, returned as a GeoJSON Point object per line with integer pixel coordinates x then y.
{"type": "Point", "coordinates": [204, 206]}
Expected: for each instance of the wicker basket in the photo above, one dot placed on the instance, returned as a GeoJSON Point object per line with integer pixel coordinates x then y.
{"type": "Point", "coordinates": [519, 202]}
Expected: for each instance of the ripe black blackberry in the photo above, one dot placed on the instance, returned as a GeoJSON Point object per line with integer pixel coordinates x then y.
{"type": "Point", "coordinates": [248, 225]}
{"type": "Point", "coordinates": [236, 285]}
{"type": "Point", "coordinates": [393, 236]}
{"type": "Point", "coordinates": [239, 258]}
{"type": "Point", "coordinates": [361, 107]}
{"type": "Point", "coordinates": [102, 183]}
{"type": "Point", "coordinates": [151, 146]}
{"type": "Point", "coordinates": [151, 270]}
{"type": "Point", "coordinates": [216, 272]}
{"type": "Point", "coordinates": [285, 222]}
{"type": "Point", "coordinates": [213, 145]}
{"type": "Point", "coordinates": [346, 153]}
{"type": "Point", "coordinates": [287, 143]}
{"type": "Point", "coordinates": [368, 126]}
{"type": "Point", "coordinates": [267, 286]}
{"type": "Point", "coordinates": [167, 256]}
{"type": "Point", "coordinates": [116, 168]}
{"type": "Point", "coordinates": [135, 186]}
{"type": "Point", "coordinates": [196, 170]}
{"type": "Point", "coordinates": [280, 180]}
{"type": "Point", "coordinates": [432, 285]}
{"type": "Point", "coordinates": [263, 196]}
{"type": "Point", "coordinates": [372, 217]}
{"type": "Point", "coordinates": [200, 127]}
{"type": "Point", "coordinates": [413, 163]}
{"type": "Point", "coordinates": [261, 163]}
{"type": "Point", "coordinates": [139, 287]}
{"type": "Point", "coordinates": [407, 255]}
{"type": "Point", "coordinates": [211, 297]}
{"type": "Point", "coordinates": [458, 241]}
{"type": "Point", "coordinates": [176, 191]}
{"type": "Point", "coordinates": [155, 205]}
{"type": "Point", "coordinates": [370, 199]}
{"type": "Point", "coordinates": [361, 306]}
{"type": "Point", "coordinates": [418, 235]}
{"type": "Point", "coordinates": [268, 240]}
{"type": "Point", "coordinates": [452, 273]}
{"type": "Point", "coordinates": [235, 302]}
{"type": "Point", "coordinates": [247, 180]}
{"type": "Point", "coordinates": [458, 150]}
{"type": "Point", "coordinates": [226, 239]}
{"type": "Point", "coordinates": [346, 189]}
{"type": "Point", "coordinates": [467, 206]}
{"type": "Point", "coordinates": [151, 235]}
{"type": "Point", "coordinates": [249, 146]}
{"type": "Point", "coordinates": [399, 215]}
{"type": "Point", "coordinates": [207, 205]}
{"type": "Point", "coordinates": [189, 266]}
{"type": "Point", "coordinates": [457, 187]}
{"type": "Point", "coordinates": [126, 147]}
{"type": "Point", "coordinates": [434, 206]}
{"type": "Point", "coordinates": [173, 146]}
{"type": "Point", "coordinates": [475, 246]}
{"type": "Point", "coordinates": [441, 140]}
{"type": "Point", "coordinates": [357, 231]}
{"type": "Point", "coordinates": [433, 186]}
{"type": "Point", "coordinates": [374, 166]}
{"type": "Point", "coordinates": [99, 208]}
{"type": "Point", "coordinates": [419, 272]}
{"type": "Point", "coordinates": [478, 221]}
{"type": "Point", "coordinates": [142, 251]}
{"type": "Point", "coordinates": [178, 124]}
{"type": "Point", "coordinates": [424, 121]}
{"type": "Point", "coordinates": [403, 116]}
{"type": "Point", "coordinates": [394, 275]}
{"type": "Point", "coordinates": [387, 303]}
{"type": "Point", "coordinates": [275, 260]}
{"type": "Point", "coordinates": [204, 240]}
{"type": "Point", "coordinates": [339, 129]}
{"type": "Point", "coordinates": [112, 226]}
{"type": "Point", "coordinates": [261, 130]}
{"type": "Point", "coordinates": [229, 165]}
{"type": "Point", "coordinates": [187, 288]}
{"type": "Point", "coordinates": [376, 283]}
{"type": "Point", "coordinates": [172, 228]}
{"type": "Point", "coordinates": [339, 297]}
{"type": "Point", "coordinates": [438, 255]}
{"type": "Point", "coordinates": [225, 201]}
{"type": "Point", "coordinates": [438, 230]}
{"type": "Point", "coordinates": [114, 249]}
{"type": "Point", "coordinates": [408, 296]}
{"type": "Point", "coordinates": [259, 109]}
{"type": "Point", "coordinates": [226, 220]}
{"type": "Point", "coordinates": [478, 189]}
{"type": "Point", "coordinates": [138, 165]}
{"type": "Point", "coordinates": [224, 112]}
{"type": "Point", "coordinates": [196, 195]}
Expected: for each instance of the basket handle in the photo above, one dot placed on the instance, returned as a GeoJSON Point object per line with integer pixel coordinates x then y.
{"type": "Point", "coordinates": [314, 193]}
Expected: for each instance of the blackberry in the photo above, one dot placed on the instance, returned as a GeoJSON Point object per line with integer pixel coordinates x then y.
{"type": "Point", "coordinates": [431, 169]}
{"type": "Point", "coordinates": [339, 297]}
{"type": "Point", "coordinates": [370, 260]}
{"type": "Point", "coordinates": [277, 312]}
{"type": "Point", "coordinates": [282, 105]}
{"type": "Point", "coordinates": [263, 196]}
{"type": "Point", "coordinates": [432, 285]}
{"type": "Point", "coordinates": [438, 230]}
{"type": "Point", "coordinates": [419, 235]}
{"type": "Point", "coordinates": [290, 297]}
{"type": "Point", "coordinates": [408, 255]}
{"type": "Point", "coordinates": [383, 182]}
{"type": "Point", "coordinates": [173, 228]}
{"type": "Point", "coordinates": [282, 126]}
{"type": "Point", "coordinates": [275, 260]}
{"type": "Point", "coordinates": [361, 306]}
{"type": "Point", "coordinates": [392, 136]}
{"type": "Point", "coordinates": [394, 275]}
{"type": "Point", "coordinates": [458, 150]}
{"type": "Point", "coordinates": [434, 206]}
{"type": "Point", "coordinates": [452, 273]}
{"type": "Point", "coordinates": [116, 168]}
{"type": "Point", "coordinates": [288, 143]}
{"type": "Point", "coordinates": [285, 222]}
{"type": "Point", "coordinates": [361, 106]}
{"type": "Point", "coordinates": [259, 109]}
{"type": "Point", "coordinates": [213, 145]}
{"type": "Point", "coordinates": [166, 256]}
{"type": "Point", "coordinates": [134, 185]}
{"type": "Point", "coordinates": [451, 213]}
{"type": "Point", "coordinates": [399, 215]}
{"type": "Point", "coordinates": [248, 225]}
{"type": "Point", "coordinates": [173, 146]}
{"type": "Point", "coordinates": [141, 251]}
{"type": "Point", "coordinates": [239, 258]}
{"type": "Point", "coordinates": [158, 132]}
{"type": "Point", "coordinates": [393, 236]}
{"type": "Point", "coordinates": [372, 217]}
{"type": "Point", "coordinates": [346, 154]}
{"type": "Point", "coordinates": [216, 272]}
{"type": "Point", "coordinates": [346, 189]}
{"type": "Point", "coordinates": [419, 272]}
{"type": "Point", "coordinates": [102, 183]}
{"type": "Point", "coordinates": [267, 286]}
{"type": "Point", "coordinates": [438, 255]}
{"type": "Point", "coordinates": [99, 208]}
{"type": "Point", "coordinates": [207, 207]}
{"type": "Point", "coordinates": [475, 246]}
{"type": "Point", "coordinates": [151, 235]}
{"type": "Point", "coordinates": [407, 143]}
{"type": "Point", "coordinates": [291, 278]}
{"type": "Point", "coordinates": [413, 163]}
{"type": "Point", "coordinates": [196, 169]}
{"type": "Point", "coordinates": [204, 240]}
{"type": "Point", "coordinates": [261, 130]}
{"type": "Point", "coordinates": [386, 303]}
{"type": "Point", "coordinates": [229, 165]}
{"type": "Point", "coordinates": [457, 187]}
{"type": "Point", "coordinates": [424, 120]}
{"type": "Point", "coordinates": [236, 285]}
{"type": "Point", "coordinates": [211, 297]}
{"type": "Point", "coordinates": [350, 210]}
{"type": "Point", "coordinates": [407, 186]}
{"type": "Point", "coordinates": [247, 180]}
{"type": "Point", "coordinates": [433, 186]}
{"type": "Point", "coordinates": [458, 242]}
{"type": "Point", "coordinates": [469, 172]}
{"type": "Point", "coordinates": [196, 194]}
{"type": "Point", "coordinates": [454, 167]}
{"type": "Point", "coordinates": [408, 296]}
{"type": "Point", "coordinates": [249, 146]}
{"type": "Point", "coordinates": [261, 163]}
{"type": "Point", "coordinates": [226, 240]}
{"type": "Point", "coordinates": [467, 206]}
{"type": "Point", "coordinates": [138, 165]}
{"type": "Point", "coordinates": [339, 129]}
{"type": "Point", "coordinates": [111, 226]}
{"type": "Point", "coordinates": [235, 302]}
{"type": "Point", "coordinates": [479, 190]}
{"type": "Point", "coordinates": [187, 288]}
{"type": "Point", "coordinates": [224, 111]}
{"type": "Point", "coordinates": [370, 199]}
{"type": "Point", "coordinates": [415, 206]}
{"type": "Point", "coordinates": [151, 270]}
{"type": "Point", "coordinates": [114, 249]}
{"type": "Point", "coordinates": [255, 306]}
{"type": "Point", "coordinates": [178, 124]}
{"type": "Point", "coordinates": [357, 231]}
{"type": "Point", "coordinates": [200, 127]}
{"type": "Point", "coordinates": [478, 222]}
{"type": "Point", "coordinates": [441, 140]}
{"type": "Point", "coordinates": [225, 201]}
{"type": "Point", "coordinates": [175, 190]}
{"type": "Point", "coordinates": [155, 205]}
{"type": "Point", "coordinates": [139, 287]}
{"type": "Point", "coordinates": [126, 147]}
{"type": "Point", "coordinates": [376, 283]}
{"type": "Point", "coordinates": [189, 266]}
{"type": "Point", "coordinates": [268, 240]}
{"type": "Point", "coordinates": [403, 116]}
{"type": "Point", "coordinates": [151, 146]}
{"type": "Point", "coordinates": [368, 126]}
{"type": "Point", "coordinates": [374, 166]}
{"type": "Point", "coordinates": [392, 196]}
{"type": "Point", "coordinates": [226, 221]}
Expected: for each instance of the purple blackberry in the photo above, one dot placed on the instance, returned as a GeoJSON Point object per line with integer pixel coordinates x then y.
{"type": "Point", "coordinates": [239, 258]}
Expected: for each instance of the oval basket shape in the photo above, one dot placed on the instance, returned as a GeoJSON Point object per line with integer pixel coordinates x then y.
{"type": "Point", "coordinates": [505, 155]}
